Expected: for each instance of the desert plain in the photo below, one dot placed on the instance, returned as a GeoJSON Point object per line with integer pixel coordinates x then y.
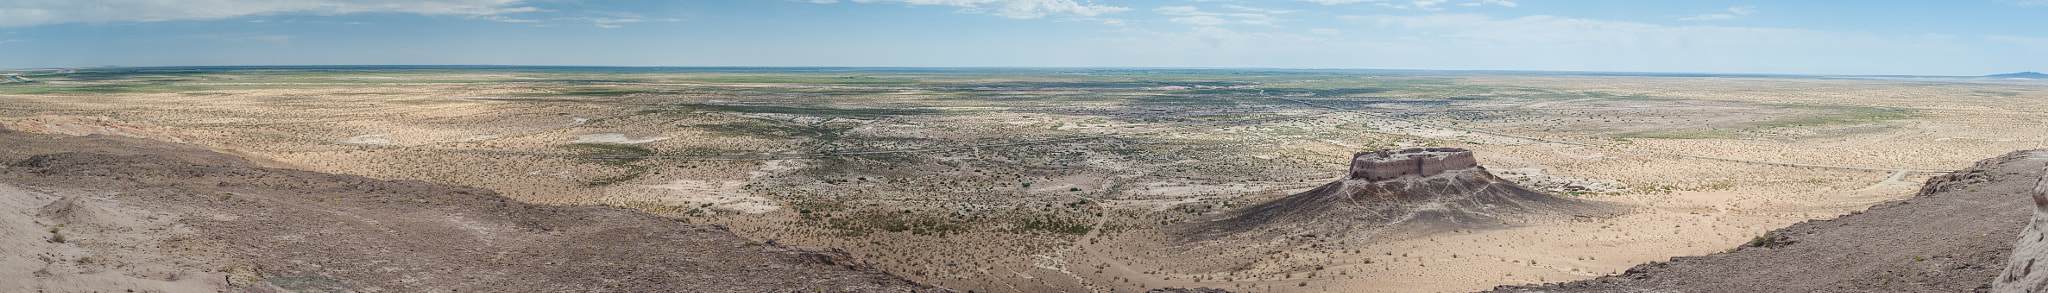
{"type": "Point", "coordinates": [1040, 180]}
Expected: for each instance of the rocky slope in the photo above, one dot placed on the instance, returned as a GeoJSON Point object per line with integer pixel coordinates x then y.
{"type": "Point", "coordinates": [108, 214]}
{"type": "Point", "coordinates": [1954, 236]}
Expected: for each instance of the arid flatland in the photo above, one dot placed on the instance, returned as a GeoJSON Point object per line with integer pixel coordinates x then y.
{"type": "Point", "coordinates": [1033, 180]}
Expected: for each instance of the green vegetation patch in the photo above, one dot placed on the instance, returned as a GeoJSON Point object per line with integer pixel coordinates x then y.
{"type": "Point", "coordinates": [1326, 92]}
{"type": "Point", "coordinates": [87, 89]}
{"type": "Point", "coordinates": [593, 92]}
{"type": "Point", "coordinates": [1055, 225]}
{"type": "Point", "coordinates": [308, 284]}
{"type": "Point", "coordinates": [814, 111]}
{"type": "Point", "coordinates": [864, 222]}
{"type": "Point", "coordinates": [1686, 133]}
{"type": "Point", "coordinates": [1840, 115]}
{"type": "Point", "coordinates": [1186, 100]}
{"type": "Point", "coordinates": [631, 171]}
{"type": "Point", "coordinates": [605, 149]}
{"type": "Point", "coordinates": [1997, 93]}
{"type": "Point", "coordinates": [765, 129]}
{"type": "Point", "coordinates": [799, 79]}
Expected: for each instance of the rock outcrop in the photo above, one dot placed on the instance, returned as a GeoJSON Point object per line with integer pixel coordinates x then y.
{"type": "Point", "coordinates": [2026, 272]}
{"type": "Point", "coordinates": [1388, 164]}
{"type": "Point", "coordinates": [1396, 194]}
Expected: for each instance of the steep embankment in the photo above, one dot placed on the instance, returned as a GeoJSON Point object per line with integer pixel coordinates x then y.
{"type": "Point", "coordinates": [1954, 236]}
{"type": "Point", "coordinates": [107, 214]}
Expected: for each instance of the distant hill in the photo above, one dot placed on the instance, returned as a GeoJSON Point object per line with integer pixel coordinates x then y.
{"type": "Point", "coordinates": [2029, 74]}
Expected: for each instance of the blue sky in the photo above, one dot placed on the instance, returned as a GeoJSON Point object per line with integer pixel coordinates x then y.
{"type": "Point", "coordinates": [1963, 37]}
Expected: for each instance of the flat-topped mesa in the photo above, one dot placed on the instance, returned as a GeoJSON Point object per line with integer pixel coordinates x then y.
{"type": "Point", "coordinates": [1389, 164]}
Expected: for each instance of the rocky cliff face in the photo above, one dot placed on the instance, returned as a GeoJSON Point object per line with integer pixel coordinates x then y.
{"type": "Point", "coordinates": [2025, 272]}
{"type": "Point", "coordinates": [1424, 162]}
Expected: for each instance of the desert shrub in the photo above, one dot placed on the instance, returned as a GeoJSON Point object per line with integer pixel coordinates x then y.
{"type": "Point", "coordinates": [1057, 225]}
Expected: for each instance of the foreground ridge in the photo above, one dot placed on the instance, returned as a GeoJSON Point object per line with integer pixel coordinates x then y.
{"type": "Point", "coordinates": [115, 213]}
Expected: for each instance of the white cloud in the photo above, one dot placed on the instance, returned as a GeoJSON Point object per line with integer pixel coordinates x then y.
{"type": "Point", "coordinates": [1018, 9]}
{"type": "Point", "coordinates": [605, 19]}
{"type": "Point", "coordinates": [1180, 10]}
{"type": "Point", "coordinates": [1733, 13]}
{"type": "Point", "coordinates": [1716, 16]}
{"type": "Point", "coordinates": [1326, 31]}
{"type": "Point", "coordinates": [2030, 2]}
{"type": "Point", "coordinates": [1254, 19]}
{"type": "Point", "coordinates": [246, 37]}
{"type": "Point", "coordinates": [1202, 20]}
{"type": "Point", "coordinates": [1426, 5]}
{"type": "Point", "coordinates": [497, 18]}
{"type": "Point", "coordinates": [1195, 16]}
{"type": "Point", "coordinates": [41, 12]}
{"type": "Point", "coordinates": [1335, 2]}
{"type": "Point", "coordinates": [1263, 10]}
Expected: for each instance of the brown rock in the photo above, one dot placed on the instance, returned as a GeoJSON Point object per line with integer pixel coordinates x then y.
{"type": "Point", "coordinates": [1388, 164]}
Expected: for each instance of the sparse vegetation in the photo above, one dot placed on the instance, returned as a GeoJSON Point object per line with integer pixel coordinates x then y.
{"type": "Point", "coordinates": [1028, 159]}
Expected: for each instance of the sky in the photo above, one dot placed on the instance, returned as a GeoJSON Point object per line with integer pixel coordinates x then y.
{"type": "Point", "coordinates": [1873, 37]}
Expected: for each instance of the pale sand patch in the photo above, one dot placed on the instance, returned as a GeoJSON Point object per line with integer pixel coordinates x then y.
{"type": "Point", "coordinates": [564, 174]}
{"type": "Point", "coordinates": [478, 138]}
{"type": "Point", "coordinates": [90, 125]}
{"type": "Point", "coordinates": [370, 138]}
{"type": "Point", "coordinates": [1540, 180]}
{"type": "Point", "coordinates": [721, 194]}
{"type": "Point", "coordinates": [724, 195]}
{"type": "Point", "coordinates": [619, 138]}
{"type": "Point", "coordinates": [775, 166]}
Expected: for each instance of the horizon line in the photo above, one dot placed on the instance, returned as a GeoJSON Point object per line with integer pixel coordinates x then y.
{"type": "Point", "coordinates": [1591, 72]}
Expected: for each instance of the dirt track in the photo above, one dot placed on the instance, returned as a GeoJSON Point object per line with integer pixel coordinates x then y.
{"type": "Point", "coordinates": [101, 213]}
